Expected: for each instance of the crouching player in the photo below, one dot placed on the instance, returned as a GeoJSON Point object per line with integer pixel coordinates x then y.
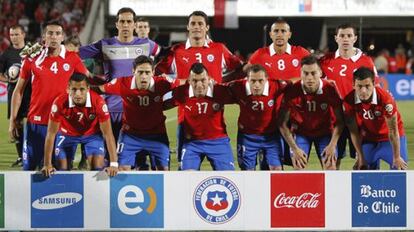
{"type": "Point", "coordinates": [204, 128]}
{"type": "Point", "coordinates": [308, 104]}
{"type": "Point", "coordinates": [379, 122]}
{"type": "Point", "coordinates": [257, 124]}
{"type": "Point", "coordinates": [143, 120]}
{"type": "Point", "coordinates": [76, 118]}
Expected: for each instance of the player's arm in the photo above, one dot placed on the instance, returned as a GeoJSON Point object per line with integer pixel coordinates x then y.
{"type": "Point", "coordinates": [3, 78]}
{"type": "Point", "coordinates": [356, 139]}
{"type": "Point", "coordinates": [394, 137]}
{"type": "Point", "coordinates": [299, 159]}
{"type": "Point", "coordinates": [52, 129]}
{"type": "Point", "coordinates": [108, 136]}
{"type": "Point", "coordinates": [330, 150]}
{"type": "Point", "coordinates": [233, 66]}
{"type": "Point", "coordinates": [16, 101]}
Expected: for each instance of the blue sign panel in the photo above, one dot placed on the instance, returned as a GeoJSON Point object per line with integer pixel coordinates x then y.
{"type": "Point", "coordinates": [137, 201]}
{"type": "Point", "coordinates": [379, 199]}
{"type": "Point", "coordinates": [57, 202]}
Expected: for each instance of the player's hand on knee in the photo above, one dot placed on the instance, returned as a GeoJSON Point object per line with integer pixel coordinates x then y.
{"type": "Point", "coordinates": [299, 159]}
{"type": "Point", "coordinates": [399, 164]}
{"type": "Point", "coordinates": [48, 171]}
{"type": "Point", "coordinates": [111, 171]}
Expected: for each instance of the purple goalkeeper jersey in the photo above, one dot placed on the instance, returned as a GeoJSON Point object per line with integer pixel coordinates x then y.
{"type": "Point", "coordinates": [117, 60]}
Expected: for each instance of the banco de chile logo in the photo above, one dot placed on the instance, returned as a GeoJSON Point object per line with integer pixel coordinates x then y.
{"type": "Point", "coordinates": [379, 199]}
{"type": "Point", "coordinates": [216, 200]}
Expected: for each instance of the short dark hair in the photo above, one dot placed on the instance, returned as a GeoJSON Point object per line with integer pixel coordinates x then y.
{"type": "Point", "coordinates": [18, 26]}
{"type": "Point", "coordinates": [73, 39]}
{"type": "Point", "coordinates": [255, 68]}
{"type": "Point", "coordinates": [142, 59]}
{"type": "Point", "coordinates": [281, 20]}
{"type": "Point", "coordinates": [309, 60]}
{"type": "Point", "coordinates": [345, 26]}
{"type": "Point", "coordinates": [198, 68]}
{"type": "Point", "coordinates": [126, 10]}
{"type": "Point", "coordinates": [52, 23]}
{"type": "Point", "coordinates": [363, 73]}
{"type": "Point", "coordinates": [78, 77]}
{"type": "Point", "coordinates": [143, 19]}
{"type": "Point", "coordinates": [199, 13]}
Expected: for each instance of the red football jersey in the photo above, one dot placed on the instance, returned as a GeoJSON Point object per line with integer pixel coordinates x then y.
{"type": "Point", "coordinates": [203, 116]}
{"type": "Point", "coordinates": [341, 70]}
{"type": "Point", "coordinates": [143, 109]}
{"type": "Point", "coordinates": [311, 114]}
{"type": "Point", "coordinates": [215, 57]}
{"type": "Point", "coordinates": [371, 116]}
{"type": "Point", "coordinates": [257, 113]}
{"type": "Point", "coordinates": [285, 66]}
{"type": "Point", "coordinates": [79, 120]}
{"type": "Point", "coordinates": [49, 76]}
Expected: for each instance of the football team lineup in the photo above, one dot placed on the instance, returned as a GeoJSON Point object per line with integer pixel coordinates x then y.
{"type": "Point", "coordinates": [288, 100]}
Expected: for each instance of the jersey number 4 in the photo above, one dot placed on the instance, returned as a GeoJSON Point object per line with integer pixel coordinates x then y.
{"type": "Point", "coordinates": [54, 67]}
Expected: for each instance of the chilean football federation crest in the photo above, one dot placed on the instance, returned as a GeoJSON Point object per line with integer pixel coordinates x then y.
{"type": "Point", "coordinates": [216, 200]}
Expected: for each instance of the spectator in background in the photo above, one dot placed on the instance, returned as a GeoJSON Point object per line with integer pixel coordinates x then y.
{"type": "Point", "coordinates": [392, 63]}
{"type": "Point", "coordinates": [381, 62]}
{"type": "Point", "coordinates": [400, 58]}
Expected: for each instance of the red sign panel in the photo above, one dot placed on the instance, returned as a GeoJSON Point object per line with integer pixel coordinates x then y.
{"type": "Point", "coordinates": [297, 200]}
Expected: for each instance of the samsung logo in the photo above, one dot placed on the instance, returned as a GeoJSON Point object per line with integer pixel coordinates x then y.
{"type": "Point", "coordinates": [57, 201]}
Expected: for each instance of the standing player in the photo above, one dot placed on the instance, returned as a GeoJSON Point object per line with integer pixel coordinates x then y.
{"type": "Point", "coordinates": [308, 105]}
{"type": "Point", "coordinates": [339, 67]}
{"type": "Point", "coordinates": [203, 122]}
{"type": "Point", "coordinates": [379, 122]}
{"type": "Point", "coordinates": [214, 56]}
{"type": "Point", "coordinates": [143, 126]}
{"type": "Point", "coordinates": [118, 54]}
{"type": "Point", "coordinates": [49, 72]}
{"type": "Point", "coordinates": [10, 63]}
{"type": "Point", "coordinates": [281, 60]}
{"type": "Point", "coordinates": [78, 117]}
{"type": "Point", "coordinates": [257, 124]}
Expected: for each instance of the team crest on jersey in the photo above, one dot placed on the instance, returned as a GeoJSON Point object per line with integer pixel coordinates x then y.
{"type": "Point", "coordinates": [216, 106]}
{"type": "Point", "coordinates": [270, 103]}
{"type": "Point", "coordinates": [295, 62]}
{"type": "Point", "coordinates": [389, 108]}
{"type": "Point", "coordinates": [66, 67]}
{"type": "Point", "coordinates": [105, 108]}
{"type": "Point", "coordinates": [139, 51]}
{"type": "Point", "coordinates": [377, 113]}
{"type": "Point", "coordinates": [324, 106]}
{"type": "Point", "coordinates": [210, 57]}
{"type": "Point", "coordinates": [54, 108]}
{"type": "Point", "coordinates": [157, 99]}
{"type": "Point", "coordinates": [216, 200]}
{"type": "Point", "coordinates": [92, 116]}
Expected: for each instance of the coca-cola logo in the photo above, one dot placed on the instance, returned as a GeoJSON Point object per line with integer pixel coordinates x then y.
{"type": "Point", "coordinates": [306, 200]}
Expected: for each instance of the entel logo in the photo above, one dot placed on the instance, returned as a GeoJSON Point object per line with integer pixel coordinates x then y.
{"type": "Point", "coordinates": [57, 201]}
{"type": "Point", "coordinates": [405, 87]}
{"type": "Point", "coordinates": [123, 200]}
{"type": "Point", "coordinates": [306, 200]}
